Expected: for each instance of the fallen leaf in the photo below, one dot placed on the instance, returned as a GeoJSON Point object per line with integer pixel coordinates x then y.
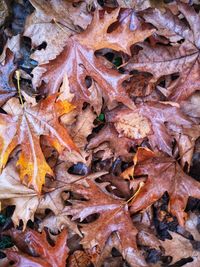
{"type": "Point", "coordinates": [79, 53]}
{"type": "Point", "coordinates": [7, 88]}
{"type": "Point", "coordinates": [24, 126]}
{"type": "Point", "coordinates": [164, 175]}
{"type": "Point", "coordinates": [179, 248]}
{"type": "Point", "coordinates": [161, 123]}
{"type": "Point", "coordinates": [183, 59]}
{"type": "Point", "coordinates": [52, 24]}
{"type": "Point", "coordinates": [35, 250]}
{"type": "Point", "coordinates": [26, 201]}
{"type": "Point", "coordinates": [113, 217]}
{"type": "Point", "coordinates": [110, 135]}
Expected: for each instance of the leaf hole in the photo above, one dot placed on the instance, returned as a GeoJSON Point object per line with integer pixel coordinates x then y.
{"type": "Point", "coordinates": [43, 45]}
{"type": "Point", "coordinates": [78, 169]}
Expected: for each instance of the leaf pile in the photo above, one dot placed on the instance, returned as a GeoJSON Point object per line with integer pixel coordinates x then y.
{"type": "Point", "coordinates": [99, 133]}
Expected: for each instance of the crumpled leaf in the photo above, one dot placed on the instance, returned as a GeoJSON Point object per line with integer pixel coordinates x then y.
{"type": "Point", "coordinates": [24, 126]}
{"type": "Point", "coordinates": [41, 27]}
{"type": "Point", "coordinates": [113, 218]}
{"type": "Point", "coordinates": [35, 250]}
{"type": "Point", "coordinates": [79, 53]}
{"type": "Point", "coordinates": [7, 88]}
{"type": "Point", "coordinates": [164, 175]}
{"type": "Point", "coordinates": [182, 59]}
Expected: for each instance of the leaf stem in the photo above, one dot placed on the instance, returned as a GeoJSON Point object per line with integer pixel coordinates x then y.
{"type": "Point", "coordinates": [18, 87]}
{"type": "Point", "coordinates": [62, 28]}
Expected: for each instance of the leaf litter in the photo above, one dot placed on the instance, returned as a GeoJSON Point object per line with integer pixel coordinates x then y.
{"type": "Point", "coordinates": [99, 133]}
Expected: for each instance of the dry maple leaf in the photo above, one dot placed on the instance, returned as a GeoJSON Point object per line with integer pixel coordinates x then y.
{"type": "Point", "coordinates": [160, 122]}
{"type": "Point", "coordinates": [164, 175]}
{"type": "Point", "coordinates": [35, 250]}
{"type": "Point", "coordinates": [182, 58]}
{"type": "Point", "coordinates": [7, 88]}
{"type": "Point", "coordinates": [23, 127]}
{"type": "Point", "coordinates": [79, 53]}
{"type": "Point", "coordinates": [113, 217]}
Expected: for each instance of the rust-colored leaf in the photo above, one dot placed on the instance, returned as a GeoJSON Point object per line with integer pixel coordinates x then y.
{"type": "Point", "coordinates": [182, 58]}
{"type": "Point", "coordinates": [113, 217]}
{"type": "Point", "coordinates": [79, 61]}
{"type": "Point", "coordinates": [164, 175]}
{"type": "Point", "coordinates": [35, 250]}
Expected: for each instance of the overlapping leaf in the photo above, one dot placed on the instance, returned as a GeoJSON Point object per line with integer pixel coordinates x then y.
{"type": "Point", "coordinates": [7, 88]}
{"type": "Point", "coordinates": [164, 175]}
{"type": "Point", "coordinates": [79, 61]}
{"type": "Point", "coordinates": [183, 58]}
{"type": "Point", "coordinates": [113, 217]}
{"type": "Point", "coordinates": [23, 127]}
{"type": "Point", "coordinates": [35, 250]}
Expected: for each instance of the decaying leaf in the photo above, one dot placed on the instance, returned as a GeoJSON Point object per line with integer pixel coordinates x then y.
{"type": "Point", "coordinates": [24, 126]}
{"type": "Point", "coordinates": [79, 258]}
{"type": "Point", "coordinates": [110, 135]}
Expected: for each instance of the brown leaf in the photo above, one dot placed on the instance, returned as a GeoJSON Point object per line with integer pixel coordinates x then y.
{"type": "Point", "coordinates": [164, 175]}
{"type": "Point", "coordinates": [182, 58]}
{"type": "Point", "coordinates": [35, 250]}
{"type": "Point", "coordinates": [41, 27]}
{"type": "Point", "coordinates": [101, 37]}
{"type": "Point", "coordinates": [179, 248]}
{"type": "Point", "coordinates": [82, 127]}
{"type": "Point", "coordinates": [24, 126]}
{"type": "Point", "coordinates": [79, 53]}
{"type": "Point", "coordinates": [26, 201]}
{"type": "Point", "coordinates": [110, 135]}
{"type": "Point", "coordinates": [113, 217]}
{"type": "Point", "coordinates": [79, 258]}
{"type": "Point", "coordinates": [7, 88]}
{"type": "Point", "coordinates": [157, 121]}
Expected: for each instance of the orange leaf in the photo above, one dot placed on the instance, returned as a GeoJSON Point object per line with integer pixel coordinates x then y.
{"type": "Point", "coordinates": [24, 127]}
